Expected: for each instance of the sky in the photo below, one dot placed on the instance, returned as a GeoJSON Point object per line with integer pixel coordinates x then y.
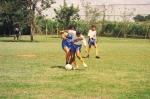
{"type": "Point", "coordinates": [96, 2]}
{"type": "Point", "coordinates": [140, 10]}
{"type": "Point", "coordinates": [105, 1]}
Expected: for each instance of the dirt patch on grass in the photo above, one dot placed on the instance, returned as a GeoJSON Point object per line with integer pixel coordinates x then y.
{"type": "Point", "coordinates": [27, 55]}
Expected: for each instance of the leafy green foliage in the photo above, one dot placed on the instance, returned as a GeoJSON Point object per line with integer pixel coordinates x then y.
{"type": "Point", "coordinates": [147, 18]}
{"type": "Point", "coordinates": [92, 13]}
{"type": "Point", "coordinates": [67, 15]}
{"type": "Point", "coordinates": [140, 18]}
{"type": "Point", "coordinates": [132, 29]}
{"type": "Point", "coordinates": [51, 25]}
{"type": "Point", "coordinates": [114, 29]}
{"type": "Point", "coordinates": [24, 12]}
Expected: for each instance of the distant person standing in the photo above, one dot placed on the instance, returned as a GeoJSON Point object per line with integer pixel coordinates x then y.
{"type": "Point", "coordinates": [92, 40]}
{"type": "Point", "coordinates": [17, 32]}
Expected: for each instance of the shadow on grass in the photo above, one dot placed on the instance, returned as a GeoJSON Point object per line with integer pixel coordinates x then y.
{"type": "Point", "coordinates": [62, 67]}
{"type": "Point", "coordinates": [91, 57]}
{"type": "Point", "coordinates": [84, 57]}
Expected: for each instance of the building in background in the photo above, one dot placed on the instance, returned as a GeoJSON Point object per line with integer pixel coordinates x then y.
{"type": "Point", "coordinates": [115, 10]}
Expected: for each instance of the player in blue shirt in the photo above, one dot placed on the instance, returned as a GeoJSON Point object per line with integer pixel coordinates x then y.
{"type": "Point", "coordinates": [66, 44]}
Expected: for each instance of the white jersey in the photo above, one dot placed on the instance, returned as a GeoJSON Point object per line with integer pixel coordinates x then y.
{"type": "Point", "coordinates": [92, 34]}
{"type": "Point", "coordinates": [16, 29]}
{"type": "Point", "coordinates": [73, 33]}
{"type": "Point", "coordinates": [80, 42]}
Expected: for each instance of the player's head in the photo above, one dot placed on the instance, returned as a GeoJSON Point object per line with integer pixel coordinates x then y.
{"type": "Point", "coordinates": [61, 32]}
{"type": "Point", "coordinates": [17, 25]}
{"type": "Point", "coordinates": [93, 27]}
{"type": "Point", "coordinates": [78, 34]}
{"type": "Point", "coordinates": [71, 27]}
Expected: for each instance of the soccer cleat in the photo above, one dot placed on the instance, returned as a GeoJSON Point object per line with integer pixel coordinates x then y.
{"type": "Point", "coordinates": [97, 57]}
{"type": "Point", "coordinates": [85, 65]}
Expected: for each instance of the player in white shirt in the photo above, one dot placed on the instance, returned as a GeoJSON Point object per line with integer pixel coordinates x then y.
{"type": "Point", "coordinates": [92, 40]}
{"type": "Point", "coordinates": [76, 48]}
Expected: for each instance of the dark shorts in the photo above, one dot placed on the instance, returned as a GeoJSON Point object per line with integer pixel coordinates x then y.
{"type": "Point", "coordinates": [65, 43]}
{"type": "Point", "coordinates": [75, 48]}
{"type": "Point", "coordinates": [91, 42]}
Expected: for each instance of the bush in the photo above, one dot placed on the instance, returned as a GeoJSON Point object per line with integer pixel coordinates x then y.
{"type": "Point", "coordinates": [25, 30]}
{"type": "Point", "coordinates": [119, 29]}
{"type": "Point", "coordinates": [1, 28]}
{"type": "Point", "coordinates": [83, 27]}
{"type": "Point", "coordinates": [137, 29]}
{"type": "Point", "coordinates": [114, 29]}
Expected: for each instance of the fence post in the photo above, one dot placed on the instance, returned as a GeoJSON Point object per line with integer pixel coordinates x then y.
{"type": "Point", "coordinates": [46, 28]}
{"type": "Point", "coordinates": [57, 31]}
{"type": "Point", "coordinates": [103, 21]}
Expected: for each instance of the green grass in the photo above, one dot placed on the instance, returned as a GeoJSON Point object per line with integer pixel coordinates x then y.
{"type": "Point", "coordinates": [35, 70]}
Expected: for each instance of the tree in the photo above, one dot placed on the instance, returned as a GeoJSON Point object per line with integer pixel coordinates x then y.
{"type": "Point", "coordinates": [11, 12]}
{"type": "Point", "coordinates": [147, 18]}
{"type": "Point", "coordinates": [92, 14]}
{"type": "Point", "coordinates": [139, 18]}
{"type": "Point", "coordinates": [25, 10]}
{"type": "Point", "coordinates": [65, 15]}
{"type": "Point", "coordinates": [36, 6]}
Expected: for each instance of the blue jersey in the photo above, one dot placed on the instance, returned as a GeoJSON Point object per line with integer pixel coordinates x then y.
{"type": "Point", "coordinates": [67, 42]}
{"type": "Point", "coordinates": [69, 38]}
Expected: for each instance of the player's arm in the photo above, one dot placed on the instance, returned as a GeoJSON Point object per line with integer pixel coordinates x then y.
{"type": "Point", "coordinates": [64, 36]}
{"type": "Point", "coordinates": [78, 39]}
{"type": "Point", "coordinates": [89, 33]}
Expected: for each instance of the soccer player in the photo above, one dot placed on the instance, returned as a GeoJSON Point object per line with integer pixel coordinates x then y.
{"type": "Point", "coordinates": [92, 40]}
{"type": "Point", "coordinates": [75, 49]}
{"type": "Point", "coordinates": [17, 32]}
{"type": "Point", "coordinates": [66, 44]}
{"type": "Point", "coordinates": [72, 31]}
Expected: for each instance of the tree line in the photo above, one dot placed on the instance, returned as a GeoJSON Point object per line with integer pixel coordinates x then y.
{"type": "Point", "coordinates": [28, 14]}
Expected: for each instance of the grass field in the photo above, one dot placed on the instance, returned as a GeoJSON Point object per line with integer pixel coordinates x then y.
{"type": "Point", "coordinates": [35, 70]}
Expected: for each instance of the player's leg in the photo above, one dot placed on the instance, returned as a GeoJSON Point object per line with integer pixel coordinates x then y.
{"type": "Point", "coordinates": [78, 54]}
{"type": "Point", "coordinates": [75, 66]}
{"type": "Point", "coordinates": [66, 50]}
{"type": "Point", "coordinates": [14, 37]}
{"type": "Point", "coordinates": [96, 50]}
{"type": "Point", "coordinates": [17, 36]}
{"type": "Point", "coordinates": [72, 58]}
{"type": "Point", "coordinates": [89, 48]}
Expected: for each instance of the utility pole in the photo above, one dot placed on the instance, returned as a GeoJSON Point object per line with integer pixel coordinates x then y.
{"type": "Point", "coordinates": [65, 3]}
{"type": "Point", "coordinates": [46, 27]}
{"type": "Point", "coordinates": [103, 20]}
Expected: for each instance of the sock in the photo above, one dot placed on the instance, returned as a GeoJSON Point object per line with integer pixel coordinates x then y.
{"type": "Point", "coordinates": [96, 52]}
